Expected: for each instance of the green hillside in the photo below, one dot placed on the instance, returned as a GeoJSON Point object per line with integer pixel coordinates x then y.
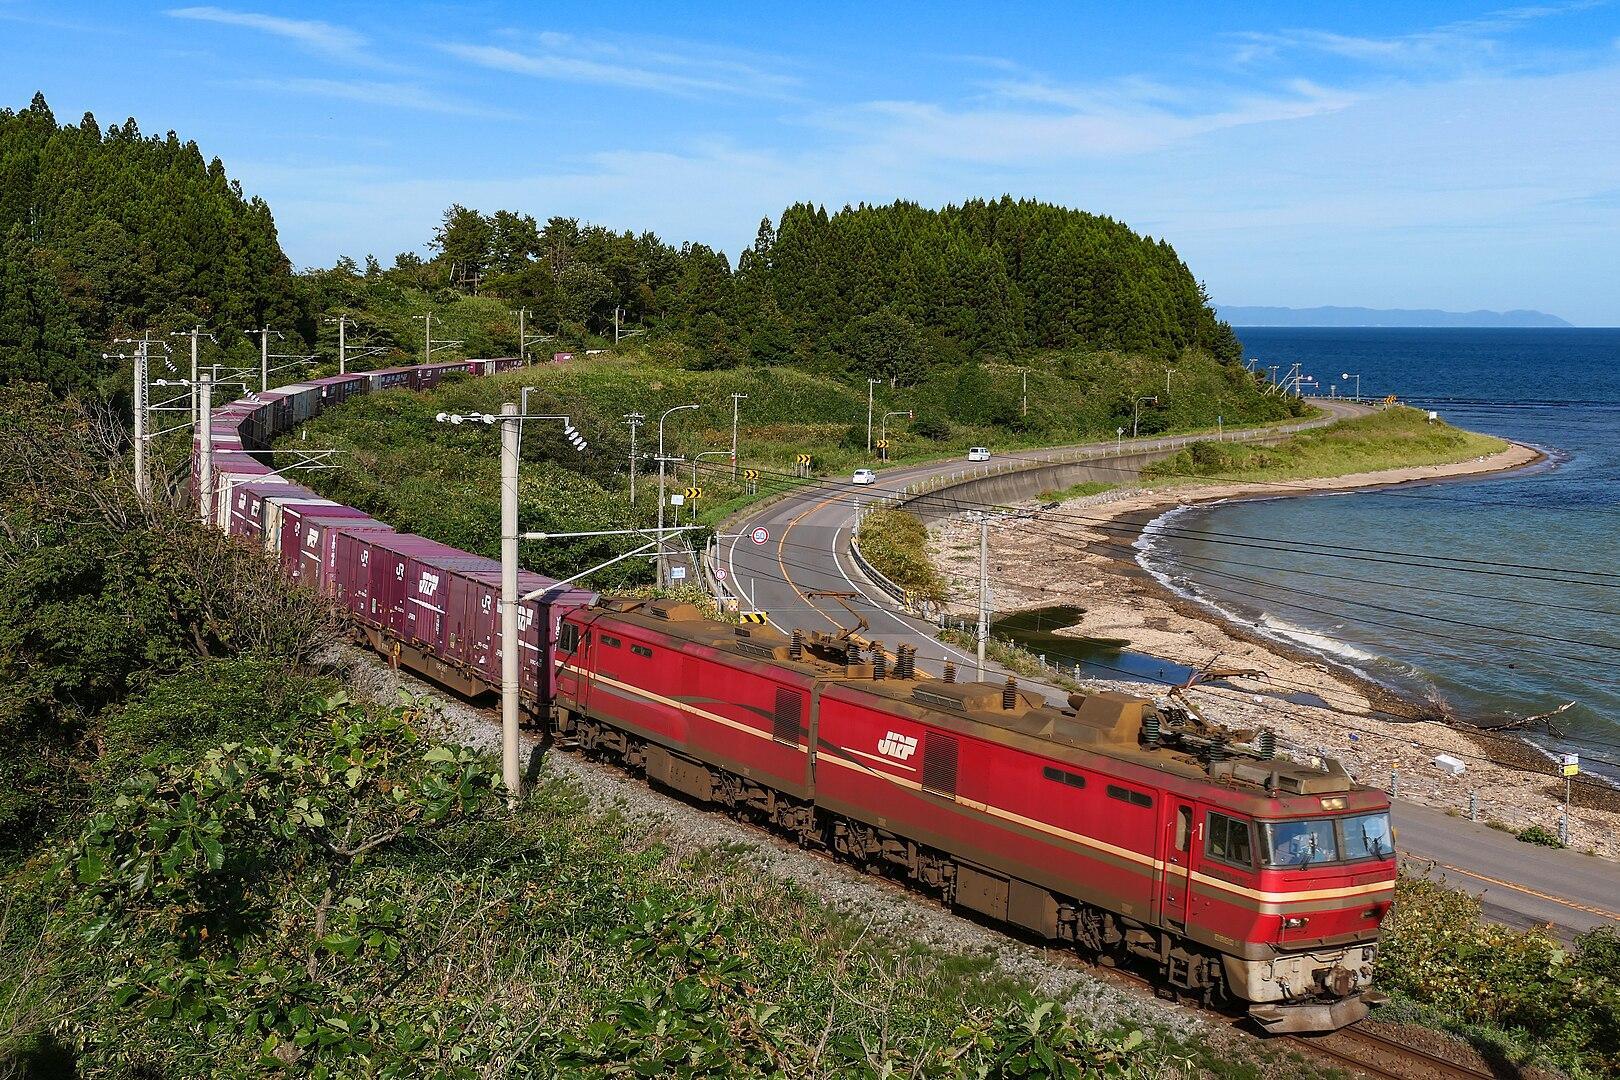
{"type": "Point", "coordinates": [441, 480]}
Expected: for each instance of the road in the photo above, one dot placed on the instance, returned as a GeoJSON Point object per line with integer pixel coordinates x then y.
{"type": "Point", "coordinates": [806, 551]}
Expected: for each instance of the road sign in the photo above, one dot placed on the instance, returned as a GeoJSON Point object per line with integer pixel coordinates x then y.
{"type": "Point", "coordinates": [754, 617]}
{"type": "Point", "coordinates": [676, 573]}
{"type": "Point", "coordinates": [802, 459]}
{"type": "Point", "coordinates": [1569, 764]}
{"type": "Point", "coordinates": [760, 535]}
{"type": "Point", "coordinates": [750, 474]}
{"type": "Point", "coordinates": [694, 493]}
{"type": "Point", "coordinates": [677, 499]}
{"type": "Point", "coordinates": [720, 573]}
{"type": "Point", "coordinates": [883, 444]}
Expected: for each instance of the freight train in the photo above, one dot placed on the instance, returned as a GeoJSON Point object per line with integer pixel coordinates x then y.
{"type": "Point", "coordinates": [1121, 826]}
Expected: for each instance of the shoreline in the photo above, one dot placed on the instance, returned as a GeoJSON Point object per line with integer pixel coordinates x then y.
{"type": "Point", "coordinates": [1372, 728]}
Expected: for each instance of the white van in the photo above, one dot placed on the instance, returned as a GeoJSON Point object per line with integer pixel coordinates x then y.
{"type": "Point", "coordinates": [863, 476]}
{"type": "Point", "coordinates": [978, 453]}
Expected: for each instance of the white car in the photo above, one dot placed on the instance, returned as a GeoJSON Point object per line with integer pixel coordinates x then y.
{"type": "Point", "coordinates": [863, 476]}
{"type": "Point", "coordinates": [978, 453]}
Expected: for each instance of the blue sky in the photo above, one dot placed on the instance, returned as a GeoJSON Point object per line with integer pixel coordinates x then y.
{"type": "Point", "coordinates": [1388, 155]}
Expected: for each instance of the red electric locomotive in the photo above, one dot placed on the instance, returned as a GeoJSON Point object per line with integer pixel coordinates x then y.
{"type": "Point", "coordinates": [1124, 827]}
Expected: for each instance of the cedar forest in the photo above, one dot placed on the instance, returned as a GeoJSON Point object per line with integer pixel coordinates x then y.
{"type": "Point", "coordinates": [109, 232]}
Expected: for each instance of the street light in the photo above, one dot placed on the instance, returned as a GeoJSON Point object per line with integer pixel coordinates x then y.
{"type": "Point", "coordinates": [1347, 376]}
{"type": "Point", "coordinates": [1136, 412]}
{"type": "Point", "coordinates": [736, 399]}
{"type": "Point", "coordinates": [883, 431]}
{"type": "Point", "coordinates": [869, 384]}
{"type": "Point", "coordinates": [662, 498]}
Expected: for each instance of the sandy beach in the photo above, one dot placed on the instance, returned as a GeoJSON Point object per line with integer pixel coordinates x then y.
{"type": "Point", "coordinates": [1368, 727]}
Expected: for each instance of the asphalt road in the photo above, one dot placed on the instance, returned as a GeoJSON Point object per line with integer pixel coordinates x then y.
{"type": "Point", "coordinates": [805, 551]}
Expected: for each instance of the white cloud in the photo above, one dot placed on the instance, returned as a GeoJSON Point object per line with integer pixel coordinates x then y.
{"type": "Point", "coordinates": [682, 70]}
{"type": "Point", "coordinates": [1073, 123]}
{"type": "Point", "coordinates": [387, 94]}
{"type": "Point", "coordinates": [1468, 44]}
{"type": "Point", "coordinates": [312, 34]}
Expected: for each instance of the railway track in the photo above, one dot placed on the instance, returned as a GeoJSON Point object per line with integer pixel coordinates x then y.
{"type": "Point", "coordinates": [1367, 1052]}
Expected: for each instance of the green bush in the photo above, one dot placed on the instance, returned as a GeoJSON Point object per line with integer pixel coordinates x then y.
{"type": "Point", "coordinates": [1438, 951]}
{"type": "Point", "coordinates": [1540, 837]}
{"type": "Point", "coordinates": [895, 542]}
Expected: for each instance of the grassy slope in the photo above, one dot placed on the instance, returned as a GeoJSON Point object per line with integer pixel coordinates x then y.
{"type": "Point", "coordinates": [441, 481]}
{"type": "Point", "coordinates": [1388, 439]}
{"type": "Point", "coordinates": [580, 942]}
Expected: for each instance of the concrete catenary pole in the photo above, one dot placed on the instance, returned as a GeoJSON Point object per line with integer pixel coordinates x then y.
{"type": "Point", "coordinates": [205, 448]}
{"type": "Point", "coordinates": [984, 588]}
{"type": "Point", "coordinates": [735, 400]}
{"type": "Point", "coordinates": [264, 358]}
{"type": "Point", "coordinates": [193, 334]}
{"type": "Point", "coordinates": [511, 649]}
{"type": "Point", "coordinates": [634, 420]}
{"type": "Point", "coordinates": [140, 419]}
{"type": "Point", "coordinates": [343, 345]}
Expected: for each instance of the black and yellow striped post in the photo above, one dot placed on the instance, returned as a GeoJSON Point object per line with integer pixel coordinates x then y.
{"type": "Point", "coordinates": [754, 617]}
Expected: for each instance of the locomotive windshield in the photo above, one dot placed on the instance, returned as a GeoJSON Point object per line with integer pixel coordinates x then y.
{"type": "Point", "coordinates": [1323, 840]}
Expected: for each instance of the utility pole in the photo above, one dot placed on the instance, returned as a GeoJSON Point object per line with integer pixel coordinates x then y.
{"type": "Point", "coordinates": [523, 342]}
{"type": "Point", "coordinates": [1023, 399]}
{"type": "Point", "coordinates": [735, 400]}
{"type": "Point", "coordinates": [511, 648]}
{"type": "Point", "coordinates": [343, 345]}
{"type": "Point", "coordinates": [869, 384]}
{"type": "Point", "coordinates": [662, 498]}
{"type": "Point", "coordinates": [194, 333]}
{"type": "Point", "coordinates": [1167, 384]}
{"type": "Point", "coordinates": [205, 449]}
{"type": "Point", "coordinates": [984, 588]}
{"type": "Point", "coordinates": [264, 354]}
{"type": "Point", "coordinates": [635, 420]}
{"type": "Point", "coordinates": [140, 419]}
{"type": "Point", "coordinates": [428, 348]}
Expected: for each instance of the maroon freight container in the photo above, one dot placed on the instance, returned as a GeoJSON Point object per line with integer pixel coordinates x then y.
{"type": "Point", "coordinates": [247, 504]}
{"type": "Point", "coordinates": [309, 541]}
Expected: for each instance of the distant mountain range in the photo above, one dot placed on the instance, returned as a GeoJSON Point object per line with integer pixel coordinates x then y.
{"type": "Point", "coordinates": [1360, 316]}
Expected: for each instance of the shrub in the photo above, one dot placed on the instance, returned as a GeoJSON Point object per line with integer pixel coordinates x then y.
{"type": "Point", "coordinates": [1439, 951]}
{"type": "Point", "coordinates": [895, 542]}
{"type": "Point", "coordinates": [1535, 834]}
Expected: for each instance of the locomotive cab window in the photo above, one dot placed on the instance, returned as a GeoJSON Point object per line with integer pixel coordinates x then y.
{"type": "Point", "coordinates": [1228, 840]}
{"type": "Point", "coordinates": [1135, 798]}
{"type": "Point", "coordinates": [568, 637]}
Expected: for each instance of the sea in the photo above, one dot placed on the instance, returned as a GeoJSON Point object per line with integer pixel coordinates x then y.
{"type": "Point", "coordinates": [1496, 598]}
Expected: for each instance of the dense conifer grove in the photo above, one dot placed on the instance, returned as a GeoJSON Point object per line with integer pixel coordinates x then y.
{"type": "Point", "coordinates": [105, 231]}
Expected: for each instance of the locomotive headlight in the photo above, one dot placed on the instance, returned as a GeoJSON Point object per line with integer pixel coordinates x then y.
{"type": "Point", "coordinates": [1337, 802]}
{"type": "Point", "coordinates": [1294, 922]}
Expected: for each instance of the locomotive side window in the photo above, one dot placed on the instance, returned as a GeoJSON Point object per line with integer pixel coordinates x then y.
{"type": "Point", "coordinates": [568, 637]}
{"type": "Point", "coordinates": [610, 642]}
{"type": "Point", "coordinates": [1135, 798]}
{"type": "Point", "coordinates": [1228, 840]}
{"type": "Point", "coordinates": [1183, 828]}
{"type": "Point", "coordinates": [641, 650]}
{"type": "Point", "coordinates": [1063, 776]}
